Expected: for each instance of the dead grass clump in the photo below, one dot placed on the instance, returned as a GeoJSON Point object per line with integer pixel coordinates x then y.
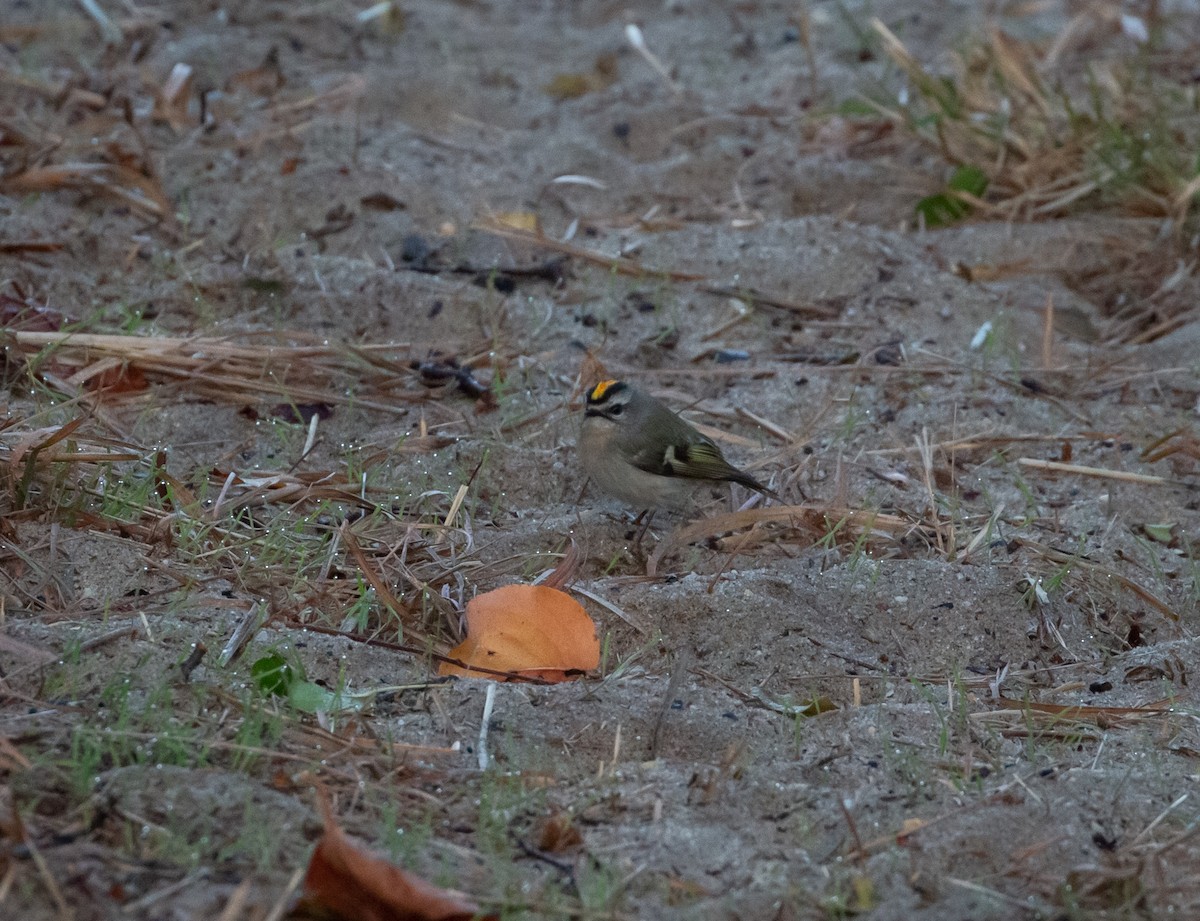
{"type": "Point", "coordinates": [293, 368]}
{"type": "Point", "coordinates": [1126, 143]}
{"type": "Point", "coordinates": [321, 547]}
{"type": "Point", "coordinates": [1040, 130]}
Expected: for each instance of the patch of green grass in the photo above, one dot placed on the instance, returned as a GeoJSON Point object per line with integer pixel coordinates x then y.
{"type": "Point", "coordinates": [1032, 510]}
{"type": "Point", "coordinates": [358, 612]}
{"type": "Point", "coordinates": [1042, 588]}
{"type": "Point", "coordinates": [614, 561]}
{"type": "Point", "coordinates": [258, 838]}
{"type": "Point", "coordinates": [504, 799]}
{"type": "Point", "coordinates": [833, 529]}
{"type": "Point", "coordinates": [258, 732]}
{"type": "Point", "coordinates": [939, 712]}
{"type": "Point", "coordinates": [601, 887]}
{"type": "Point", "coordinates": [133, 725]}
{"type": "Point", "coordinates": [404, 835]}
{"type": "Point", "coordinates": [625, 664]}
{"type": "Point", "coordinates": [860, 556]}
{"type": "Point", "coordinates": [853, 418]}
{"type": "Point", "coordinates": [955, 201]}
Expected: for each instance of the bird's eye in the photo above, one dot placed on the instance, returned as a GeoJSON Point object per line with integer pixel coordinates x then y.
{"type": "Point", "coordinates": [616, 410]}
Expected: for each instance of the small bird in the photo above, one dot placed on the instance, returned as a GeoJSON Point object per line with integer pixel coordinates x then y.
{"type": "Point", "coordinates": [636, 449]}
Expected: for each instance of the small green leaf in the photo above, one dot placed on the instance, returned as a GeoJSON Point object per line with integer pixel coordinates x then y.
{"type": "Point", "coordinates": [1159, 532]}
{"type": "Point", "coordinates": [969, 179]}
{"type": "Point", "coordinates": [273, 675]}
{"type": "Point", "coordinates": [856, 108]}
{"type": "Point", "coordinates": [312, 698]}
{"type": "Point", "coordinates": [946, 208]}
{"type": "Point", "coordinates": [941, 209]}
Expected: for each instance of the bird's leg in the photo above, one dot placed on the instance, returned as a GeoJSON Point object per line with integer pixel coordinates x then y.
{"type": "Point", "coordinates": [645, 518]}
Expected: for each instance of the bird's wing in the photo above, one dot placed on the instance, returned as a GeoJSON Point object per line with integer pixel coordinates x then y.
{"type": "Point", "coordinates": [694, 460]}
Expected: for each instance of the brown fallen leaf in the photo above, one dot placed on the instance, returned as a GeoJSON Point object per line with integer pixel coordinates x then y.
{"type": "Point", "coordinates": [119, 379]}
{"type": "Point", "coordinates": [530, 631]}
{"type": "Point", "coordinates": [354, 885]}
{"type": "Point", "coordinates": [559, 834]}
{"type": "Point", "coordinates": [592, 372]}
{"type": "Point", "coordinates": [18, 313]}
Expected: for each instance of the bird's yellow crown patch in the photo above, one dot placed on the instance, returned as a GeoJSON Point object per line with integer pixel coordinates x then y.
{"type": "Point", "coordinates": [600, 390]}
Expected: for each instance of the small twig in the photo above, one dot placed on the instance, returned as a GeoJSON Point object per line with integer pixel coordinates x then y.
{"type": "Point", "coordinates": [64, 910]}
{"type": "Point", "coordinates": [281, 904]}
{"type": "Point", "coordinates": [180, 884]}
{"type": "Point", "coordinates": [1020, 905]}
{"type": "Point", "coordinates": [925, 452]}
{"type": "Point", "coordinates": [104, 638]}
{"type": "Point", "coordinates": [1058, 467]}
{"type": "Point", "coordinates": [233, 908]}
{"type": "Point", "coordinates": [250, 624]}
{"type": "Point", "coordinates": [681, 663]}
{"type": "Point", "coordinates": [1048, 333]}
{"type": "Point", "coordinates": [766, 425]}
{"type": "Point", "coordinates": [860, 853]}
{"type": "Point", "coordinates": [737, 548]}
{"type": "Point", "coordinates": [455, 505]}
{"type": "Point", "coordinates": [561, 865]}
{"type": "Point", "coordinates": [1158, 819]}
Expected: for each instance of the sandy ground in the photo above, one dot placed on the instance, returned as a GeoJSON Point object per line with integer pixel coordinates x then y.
{"type": "Point", "coordinates": [337, 196]}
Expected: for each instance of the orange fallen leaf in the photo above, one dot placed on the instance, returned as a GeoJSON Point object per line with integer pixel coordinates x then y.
{"type": "Point", "coordinates": [531, 631]}
{"type": "Point", "coordinates": [354, 885]}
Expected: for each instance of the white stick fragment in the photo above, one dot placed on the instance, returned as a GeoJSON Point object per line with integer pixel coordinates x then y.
{"type": "Point", "coordinates": [312, 434]}
{"type": "Point", "coordinates": [374, 12]}
{"type": "Point", "coordinates": [981, 336]}
{"type": "Point", "coordinates": [573, 179]}
{"type": "Point", "coordinates": [488, 702]}
{"type": "Point", "coordinates": [216, 509]}
{"type": "Point", "coordinates": [633, 34]}
{"type": "Point", "coordinates": [110, 30]}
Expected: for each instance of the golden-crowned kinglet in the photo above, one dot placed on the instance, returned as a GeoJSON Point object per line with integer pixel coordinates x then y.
{"type": "Point", "coordinates": [636, 449]}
